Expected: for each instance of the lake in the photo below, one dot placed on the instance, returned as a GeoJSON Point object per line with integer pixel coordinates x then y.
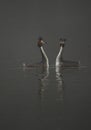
{"type": "Point", "coordinates": [42, 99]}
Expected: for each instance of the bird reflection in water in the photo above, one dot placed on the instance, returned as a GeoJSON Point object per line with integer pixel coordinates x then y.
{"type": "Point", "coordinates": [60, 86]}
{"type": "Point", "coordinates": [43, 80]}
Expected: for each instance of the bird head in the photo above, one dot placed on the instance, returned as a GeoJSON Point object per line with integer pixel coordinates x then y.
{"type": "Point", "coordinates": [40, 42]}
{"type": "Point", "coordinates": [62, 42]}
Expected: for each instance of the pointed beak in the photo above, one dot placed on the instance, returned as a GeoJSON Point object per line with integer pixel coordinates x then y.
{"type": "Point", "coordinates": [44, 42]}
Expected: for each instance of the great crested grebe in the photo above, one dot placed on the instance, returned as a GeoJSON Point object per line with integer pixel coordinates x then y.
{"type": "Point", "coordinates": [64, 63]}
{"type": "Point", "coordinates": [44, 61]}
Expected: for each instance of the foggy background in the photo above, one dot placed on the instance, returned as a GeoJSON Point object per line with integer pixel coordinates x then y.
{"type": "Point", "coordinates": [22, 22]}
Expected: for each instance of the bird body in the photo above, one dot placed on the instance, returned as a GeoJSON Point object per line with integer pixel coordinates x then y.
{"type": "Point", "coordinates": [44, 61]}
{"type": "Point", "coordinates": [58, 63]}
{"type": "Point", "coordinates": [60, 60]}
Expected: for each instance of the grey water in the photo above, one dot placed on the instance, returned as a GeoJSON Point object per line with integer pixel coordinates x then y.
{"type": "Point", "coordinates": [38, 99]}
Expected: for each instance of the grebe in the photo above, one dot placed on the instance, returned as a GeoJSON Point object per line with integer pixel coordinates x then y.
{"type": "Point", "coordinates": [64, 63]}
{"type": "Point", "coordinates": [44, 61]}
{"type": "Point", "coordinates": [59, 57]}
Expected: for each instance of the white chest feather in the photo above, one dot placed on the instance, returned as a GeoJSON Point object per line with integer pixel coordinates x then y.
{"type": "Point", "coordinates": [58, 57]}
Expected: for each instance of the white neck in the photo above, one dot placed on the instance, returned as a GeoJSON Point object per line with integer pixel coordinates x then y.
{"type": "Point", "coordinates": [44, 57]}
{"type": "Point", "coordinates": [58, 58]}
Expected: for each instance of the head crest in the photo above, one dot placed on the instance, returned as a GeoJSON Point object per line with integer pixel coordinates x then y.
{"type": "Point", "coordinates": [40, 38]}
{"type": "Point", "coordinates": [63, 39]}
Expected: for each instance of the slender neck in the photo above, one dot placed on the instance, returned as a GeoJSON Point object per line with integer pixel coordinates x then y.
{"type": "Point", "coordinates": [44, 57]}
{"type": "Point", "coordinates": [59, 56]}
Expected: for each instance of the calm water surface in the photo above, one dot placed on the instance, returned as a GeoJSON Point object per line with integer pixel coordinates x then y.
{"type": "Point", "coordinates": [43, 99]}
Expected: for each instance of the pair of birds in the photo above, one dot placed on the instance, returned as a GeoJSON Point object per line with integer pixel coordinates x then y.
{"type": "Point", "coordinates": [60, 62]}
